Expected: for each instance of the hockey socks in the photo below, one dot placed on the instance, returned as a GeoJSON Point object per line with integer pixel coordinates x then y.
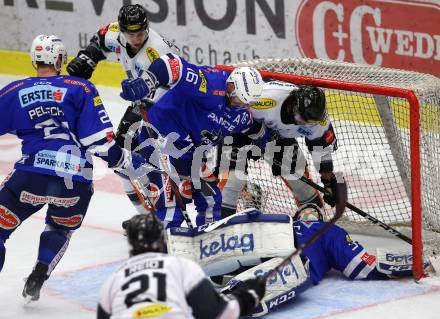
{"type": "Point", "coordinates": [53, 245]}
{"type": "Point", "coordinates": [2, 254]}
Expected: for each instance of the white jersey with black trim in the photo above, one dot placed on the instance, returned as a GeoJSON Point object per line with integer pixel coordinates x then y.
{"type": "Point", "coordinates": [268, 111]}
{"type": "Point", "coordinates": [161, 286]}
{"type": "Point", "coordinates": [153, 48]}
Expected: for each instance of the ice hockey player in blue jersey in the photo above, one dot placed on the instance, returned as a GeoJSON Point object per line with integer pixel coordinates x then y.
{"type": "Point", "coordinates": [202, 106]}
{"type": "Point", "coordinates": [136, 44]}
{"type": "Point", "coordinates": [250, 244]}
{"type": "Point", "coordinates": [61, 121]}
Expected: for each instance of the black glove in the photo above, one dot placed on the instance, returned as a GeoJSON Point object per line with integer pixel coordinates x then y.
{"type": "Point", "coordinates": [81, 66]}
{"type": "Point", "coordinates": [249, 295]}
{"type": "Point", "coordinates": [131, 116]}
{"type": "Point", "coordinates": [331, 187]}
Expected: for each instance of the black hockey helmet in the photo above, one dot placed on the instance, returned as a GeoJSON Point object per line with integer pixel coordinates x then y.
{"type": "Point", "coordinates": [309, 212]}
{"type": "Point", "coordinates": [305, 105]}
{"type": "Point", "coordinates": [145, 233]}
{"type": "Point", "coordinates": [133, 18]}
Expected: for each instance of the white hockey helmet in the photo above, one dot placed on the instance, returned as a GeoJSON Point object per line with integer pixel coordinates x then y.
{"type": "Point", "coordinates": [47, 49]}
{"type": "Point", "coordinates": [248, 84]}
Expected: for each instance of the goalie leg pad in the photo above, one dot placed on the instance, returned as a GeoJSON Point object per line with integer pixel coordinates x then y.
{"type": "Point", "coordinates": [397, 263]}
{"type": "Point", "coordinates": [283, 286]}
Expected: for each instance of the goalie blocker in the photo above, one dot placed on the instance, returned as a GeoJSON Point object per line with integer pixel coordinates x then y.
{"type": "Point", "coordinates": [250, 244]}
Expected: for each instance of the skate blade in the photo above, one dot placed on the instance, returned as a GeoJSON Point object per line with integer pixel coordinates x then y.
{"type": "Point", "coordinates": [27, 300]}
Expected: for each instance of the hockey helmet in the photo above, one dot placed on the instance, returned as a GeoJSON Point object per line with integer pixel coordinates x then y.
{"type": "Point", "coordinates": [248, 84]}
{"type": "Point", "coordinates": [48, 49]}
{"type": "Point", "coordinates": [305, 105]}
{"type": "Point", "coordinates": [309, 212]}
{"type": "Point", "coordinates": [133, 18]}
{"type": "Point", "coordinates": [145, 233]}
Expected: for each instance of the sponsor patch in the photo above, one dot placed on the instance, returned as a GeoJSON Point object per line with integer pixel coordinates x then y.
{"type": "Point", "coordinates": [41, 93]}
{"type": "Point", "coordinates": [218, 92]}
{"type": "Point", "coordinates": [114, 27]}
{"type": "Point", "coordinates": [152, 54]}
{"type": "Point", "coordinates": [264, 104]}
{"type": "Point", "coordinates": [35, 200]}
{"type": "Point", "coordinates": [75, 82]}
{"type": "Point", "coordinates": [225, 243]}
{"type": "Point", "coordinates": [71, 221]}
{"type": "Point", "coordinates": [103, 30]}
{"type": "Point", "coordinates": [368, 259]}
{"type": "Point", "coordinates": [174, 69]}
{"type": "Point", "coordinates": [12, 88]}
{"type": "Point", "coordinates": [59, 162]}
{"type": "Point", "coordinates": [185, 189]}
{"type": "Point", "coordinates": [151, 311]}
{"type": "Point", "coordinates": [204, 84]}
{"type": "Point", "coordinates": [8, 220]}
{"type": "Point", "coordinates": [97, 101]}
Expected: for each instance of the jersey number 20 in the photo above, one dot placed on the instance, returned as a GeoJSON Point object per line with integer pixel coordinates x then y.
{"type": "Point", "coordinates": [144, 284]}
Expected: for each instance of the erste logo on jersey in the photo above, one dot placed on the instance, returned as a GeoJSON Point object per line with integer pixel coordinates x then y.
{"type": "Point", "coordinates": [41, 93]}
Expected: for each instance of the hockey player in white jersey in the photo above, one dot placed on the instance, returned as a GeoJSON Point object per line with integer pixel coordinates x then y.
{"type": "Point", "coordinates": [286, 112]}
{"type": "Point", "coordinates": [156, 285]}
{"type": "Point", "coordinates": [136, 46]}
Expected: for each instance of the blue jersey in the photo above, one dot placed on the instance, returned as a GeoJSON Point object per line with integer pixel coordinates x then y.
{"type": "Point", "coordinates": [59, 119]}
{"type": "Point", "coordinates": [335, 250]}
{"type": "Point", "coordinates": [196, 107]}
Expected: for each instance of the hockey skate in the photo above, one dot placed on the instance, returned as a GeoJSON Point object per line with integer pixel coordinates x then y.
{"type": "Point", "coordinates": [32, 287]}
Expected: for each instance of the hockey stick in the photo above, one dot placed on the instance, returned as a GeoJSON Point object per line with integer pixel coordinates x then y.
{"type": "Point", "coordinates": [357, 210]}
{"type": "Point", "coordinates": [180, 202]}
{"type": "Point", "coordinates": [340, 208]}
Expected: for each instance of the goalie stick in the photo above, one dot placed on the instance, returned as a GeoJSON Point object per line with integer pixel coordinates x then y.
{"type": "Point", "coordinates": [340, 208]}
{"type": "Point", "coordinates": [357, 210]}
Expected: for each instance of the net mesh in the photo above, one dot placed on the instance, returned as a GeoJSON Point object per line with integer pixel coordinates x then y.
{"type": "Point", "coordinates": [373, 133]}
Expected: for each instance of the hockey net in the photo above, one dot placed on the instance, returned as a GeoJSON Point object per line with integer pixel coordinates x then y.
{"type": "Point", "coordinates": [388, 130]}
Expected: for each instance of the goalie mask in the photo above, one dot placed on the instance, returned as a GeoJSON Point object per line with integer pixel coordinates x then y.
{"type": "Point", "coordinates": [248, 84]}
{"type": "Point", "coordinates": [309, 212]}
{"type": "Point", "coordinates": [145, 233]}
{"type": "Point", "coordinates": [48, 49]}
{"type": "Point", "coordinates": [304, 106]}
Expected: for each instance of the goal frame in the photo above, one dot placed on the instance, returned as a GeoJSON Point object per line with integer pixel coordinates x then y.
{"type": "Point", "coordinates": [415, 158]}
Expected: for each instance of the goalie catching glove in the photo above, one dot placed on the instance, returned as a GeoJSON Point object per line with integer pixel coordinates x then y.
{"type": "Point", "coordinates": [335, 188]}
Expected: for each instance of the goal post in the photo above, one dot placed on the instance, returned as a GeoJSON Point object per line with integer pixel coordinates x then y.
{"type": "Point", "coordinates": [387, 121]}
